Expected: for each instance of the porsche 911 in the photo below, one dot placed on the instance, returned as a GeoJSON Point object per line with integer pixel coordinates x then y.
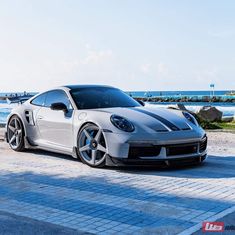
{"type": "Point", "coordinates": [102, 125]}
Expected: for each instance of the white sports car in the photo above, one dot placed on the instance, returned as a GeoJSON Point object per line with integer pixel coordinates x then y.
{"type": "Point", "coordinates": [102, 125]}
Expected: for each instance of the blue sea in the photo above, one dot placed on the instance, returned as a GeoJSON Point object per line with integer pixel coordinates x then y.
{"type": "Point", "coordinates": [4, 111]}
{"type": "Point", "coordinates": [228, 109]}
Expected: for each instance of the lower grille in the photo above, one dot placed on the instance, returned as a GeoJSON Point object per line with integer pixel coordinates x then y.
{"type": "Point", "coordinates": [143, 151]}
{"type": "Point", "coordinates": [181, 149]}
{"type": "Point", "coordinates": [185, 161]}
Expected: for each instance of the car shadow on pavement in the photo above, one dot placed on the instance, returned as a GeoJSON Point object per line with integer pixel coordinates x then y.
{"type": "Point", "coordinates": [220, 163]}
{"type": "Point", "coordinates": [212, 167]}
{"type": "Point", "coordinates": [50, 154]}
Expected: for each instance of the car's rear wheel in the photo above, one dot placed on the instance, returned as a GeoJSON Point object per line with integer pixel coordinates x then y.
{"type": "Point", "coordinates": [92, 148]}
{"type": "Point", "coordinates": [15, 133]}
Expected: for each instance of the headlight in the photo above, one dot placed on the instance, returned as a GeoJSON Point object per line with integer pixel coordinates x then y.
{"type": "Point", "coordinates": [190, 117]}
{"type": "Point", "coordinates": [122, 123]}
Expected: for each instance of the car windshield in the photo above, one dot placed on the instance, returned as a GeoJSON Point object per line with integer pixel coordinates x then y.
{"type": "Point", "coordinates": [101, 97]}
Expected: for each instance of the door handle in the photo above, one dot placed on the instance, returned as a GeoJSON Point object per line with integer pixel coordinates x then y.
{"type": "Point", "coordinates": [39, 117]}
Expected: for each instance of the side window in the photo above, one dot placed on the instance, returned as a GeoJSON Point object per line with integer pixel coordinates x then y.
{"type": "Point", "coordinates": [57, 96]}
{"type": "Point", "coordinates": [39, 100]}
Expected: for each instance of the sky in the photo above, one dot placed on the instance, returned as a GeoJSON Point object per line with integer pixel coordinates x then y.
{"type": "Point", "coordinates": [131, 44]}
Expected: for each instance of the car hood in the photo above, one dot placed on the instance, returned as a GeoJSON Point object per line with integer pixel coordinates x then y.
{"type": "Point", "coordinates": [152, 119]}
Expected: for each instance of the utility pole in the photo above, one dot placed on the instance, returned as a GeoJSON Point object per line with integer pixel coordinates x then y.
{"type": "Point", "coordinates": [212, 86]}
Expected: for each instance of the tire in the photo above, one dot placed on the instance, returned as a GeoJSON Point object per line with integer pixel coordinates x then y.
{"type": "Point", "coordinates": [15, 134]}
{"type": "Point", "coordinates": [91, 146]}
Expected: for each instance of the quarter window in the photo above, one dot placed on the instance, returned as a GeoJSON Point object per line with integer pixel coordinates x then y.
{"type": "Point", "coordinates": [39, 100]}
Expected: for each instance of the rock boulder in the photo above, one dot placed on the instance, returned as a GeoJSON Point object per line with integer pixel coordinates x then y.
{"type": "Point", "coordinates": [210, 114]}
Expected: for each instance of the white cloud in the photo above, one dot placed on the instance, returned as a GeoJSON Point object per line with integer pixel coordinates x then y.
{"type": "Point", "coordinates": [95, 57]}
{"type": "Point", "coordinates": [222, 34]}
{"type": "Point", "coordinates": [91, 59]}
{"type": "Point", "coordinates": [145, 68]}
{"type": "Point", "coordinates": [151, 69]}
{"type": "Point", "coordinates": [88, 46]}
{"type": "Point", "coordinates": [162, 68]}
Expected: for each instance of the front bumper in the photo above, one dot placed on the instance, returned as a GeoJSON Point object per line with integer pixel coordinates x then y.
{"type": "Point", "coordinates": [118, 144]}
{"type": "Point", "coordinates": [162, 154]}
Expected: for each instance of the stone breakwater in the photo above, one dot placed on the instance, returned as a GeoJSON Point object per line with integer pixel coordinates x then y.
{"type": "Point", "coordinates": [196, 99]}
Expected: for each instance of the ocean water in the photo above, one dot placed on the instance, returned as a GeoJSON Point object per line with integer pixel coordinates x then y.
{"type": "Point", "coordinates": [227, 109]}
{"type": "Point", "coordinates": [4, 111]}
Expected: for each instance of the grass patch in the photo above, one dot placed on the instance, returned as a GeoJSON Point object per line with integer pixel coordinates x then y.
{"type": "Point", "coordinates": [215, 125]}
{"type": "Point", "coordinates": [227, 125]}
{"type": "Point", "coordinates": [206, 124]}
{"type": "Point", "coordinates": [210, 125]}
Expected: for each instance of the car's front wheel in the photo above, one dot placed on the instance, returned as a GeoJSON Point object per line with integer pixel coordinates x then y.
{"type": "Point", "coordinates": [92, 148]}
{"type": "Point", "coordinates": [15, 133]}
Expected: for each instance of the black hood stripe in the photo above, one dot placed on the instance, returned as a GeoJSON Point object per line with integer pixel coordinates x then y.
{"type": "Point", "coordinates": [167, 123]}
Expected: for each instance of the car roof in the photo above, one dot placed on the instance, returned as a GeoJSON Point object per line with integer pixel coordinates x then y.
{"type": "Point", "coordinates": [75, 87]}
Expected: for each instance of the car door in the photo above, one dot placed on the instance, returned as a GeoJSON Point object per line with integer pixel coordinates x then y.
{"type": "Point", "coordinates": [56, 127]}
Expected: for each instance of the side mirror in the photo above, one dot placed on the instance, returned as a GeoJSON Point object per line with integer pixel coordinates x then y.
{"type": "Point", "coordinates": [141, 102]}
{"type": "Point", "coordinates": [59, 107]}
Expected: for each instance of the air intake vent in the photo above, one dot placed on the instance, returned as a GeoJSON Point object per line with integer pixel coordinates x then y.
{"type": "Point", "coordinates": [143, 151]}
{"type": "Point", "coordinates": [203, 145]}
{"type": "Point", "coordinates": [181, 149]}
{"type": "Point", "coordinates": [29, 117]}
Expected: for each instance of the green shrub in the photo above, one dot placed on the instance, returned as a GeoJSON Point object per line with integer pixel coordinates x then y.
{"type": "Point", "coordinates": [207, 124]}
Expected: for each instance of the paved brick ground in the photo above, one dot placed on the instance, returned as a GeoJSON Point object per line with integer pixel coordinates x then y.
{"type": "Point", "coordinates": [18, 225]}
{"type": "Point", "coordinates": [57, 189]}
{"type": "Point", "coordinates": [229, 222]}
